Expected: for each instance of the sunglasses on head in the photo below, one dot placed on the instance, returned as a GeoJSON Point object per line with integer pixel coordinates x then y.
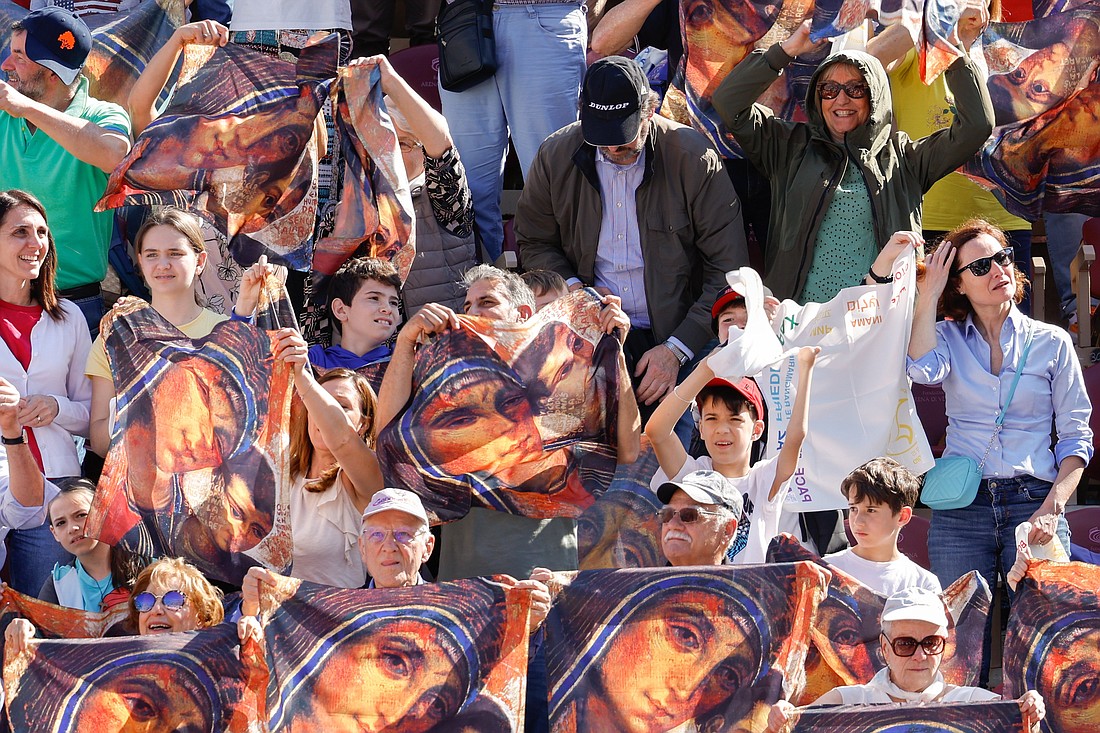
{"type": "Point", "coordinates": [832, 89]}
{"type": "Point", "coordinates": [400, 536]}
{"type": "Point", "coordinates": [688, 515]}
{"type": "Point", "coordinates": [982, 265]}
{"type": "Point", "coordinates": [906, 646]}
{"type": "Point", "coordinates": [173, 600]}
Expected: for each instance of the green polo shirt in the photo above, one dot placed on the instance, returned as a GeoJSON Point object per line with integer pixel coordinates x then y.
{"type": "Point", "coordinates": [66, 186]}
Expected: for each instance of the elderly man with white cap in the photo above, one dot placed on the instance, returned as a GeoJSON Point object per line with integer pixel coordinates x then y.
{"type": "Point", "coordinates": [395, 542]}
{"type": "Point", "coordinates": [914, 634]}
{"type": "Point", "coordinates": [699, 519]}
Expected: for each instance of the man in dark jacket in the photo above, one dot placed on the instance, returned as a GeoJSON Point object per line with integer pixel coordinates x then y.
{"type": "Point", "coordinates": [639, 207]}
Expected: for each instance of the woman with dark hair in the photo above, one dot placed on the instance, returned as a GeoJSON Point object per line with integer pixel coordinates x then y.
{"type": "Point", "coordinates": [333, 467]}
{"type": "Point", "coordinates": [846, 186]}
{"type": "Point", "coordinates": [976, 354]}
{"type": "Point", "coordinates": [43, 358]}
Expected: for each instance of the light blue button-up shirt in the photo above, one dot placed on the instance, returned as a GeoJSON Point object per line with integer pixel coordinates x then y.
{"type": "Point", "coordinates": [619, 266]}
{"type": "Point", "coordinates": [1051, 392]}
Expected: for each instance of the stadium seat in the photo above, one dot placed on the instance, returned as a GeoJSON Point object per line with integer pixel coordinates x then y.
{"type": "Point", "coordinates": [932, 411]}
{"type": "Point", "coordinates": [1084, 527]}
{"type": "Point", "coordinates": [913, 541]}
{"type": "Point", "coordinates": [419, 66]}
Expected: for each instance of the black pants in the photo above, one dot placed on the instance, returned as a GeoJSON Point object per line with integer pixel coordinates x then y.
{"type": "Point", "coordinates": [372, 21]}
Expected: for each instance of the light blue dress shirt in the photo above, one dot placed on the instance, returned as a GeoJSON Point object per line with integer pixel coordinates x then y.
{"type": "Point", "coordinates": [1051, 392]}
{"type": "Point", "coordinates": [619, 266]}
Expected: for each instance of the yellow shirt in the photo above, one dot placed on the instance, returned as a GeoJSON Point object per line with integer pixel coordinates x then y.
{"type": "Point", "coordinates": [920, 110]}
{"type": "Point", "coordinates": [202, 325]}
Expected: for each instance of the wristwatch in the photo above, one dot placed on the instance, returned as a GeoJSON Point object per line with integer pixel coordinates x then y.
{"type": "Point", "coordinates": [681, 357]}
{"type": "Point", "coordinates": [14, 441]}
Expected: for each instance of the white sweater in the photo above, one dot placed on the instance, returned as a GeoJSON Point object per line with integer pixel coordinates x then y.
{"type": "Point", "coordinates": [59, 351]}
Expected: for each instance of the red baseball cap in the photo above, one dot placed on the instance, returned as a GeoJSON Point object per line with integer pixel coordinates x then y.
{"type": "Point", "coordinates": [747, 387]}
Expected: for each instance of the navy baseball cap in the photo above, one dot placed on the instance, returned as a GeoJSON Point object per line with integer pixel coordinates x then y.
{"type": "Point", "coordinates": [611, 101]}
{"type": "Point", "coordinates": [59, 40]}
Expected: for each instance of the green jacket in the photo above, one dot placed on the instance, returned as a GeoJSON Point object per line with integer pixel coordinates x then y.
{"type": "Point", "coordinates": [804, 164]}
{"type": "Point", "coordinates": [689, 223]}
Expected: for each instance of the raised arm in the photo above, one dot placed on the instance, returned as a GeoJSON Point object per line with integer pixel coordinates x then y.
{"type": "Point", "coordinates": [890, 46]}
{"type": "Point", "coordinates": [619, 25]}
{"type": "Point", "coordinates": [629, 425]}
{"type": "Point", "coordinates": [99, 429]}
{"type": "Point", "coordinates": [796, 428]}
{"type": "Point", "coordinates": [670, 451]}
{"type": "Point", "coordinates": [83, 139]}
{"type": "Point", "coordinates": [357, 460]}
{"type": "Point", "coordinates": [922, 338]}
{"type": "Point", "coordinates": [425, 123]}
{"type": "Point", "coordinates": [397, 384]}
{"type": "Point", "coordinates": [143, 96]}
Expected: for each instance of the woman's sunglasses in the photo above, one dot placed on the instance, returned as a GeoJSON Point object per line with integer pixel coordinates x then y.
{"type": "Point", "coordinates": [173, 600]}
{"type": "Point", "coordinates": [981, 265]}
{"type": "Point", "coordinates": [688, 515]}
{"type": "Point", "coordinates": [906, 646]}
{"type": "Point", "coordinates": [832, 89]}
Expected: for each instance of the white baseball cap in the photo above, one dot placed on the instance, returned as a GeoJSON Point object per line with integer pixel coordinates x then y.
{"type": "Point", "coordinates": [396, 500]}
{"type": "Point", "coordinates": [915, 604]}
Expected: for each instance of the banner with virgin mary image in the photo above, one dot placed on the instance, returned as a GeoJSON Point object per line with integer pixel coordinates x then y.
{"type": "Point", "coordinates": [375, 215]}
{"type": "Point", "coordinates": [429, 658]}
{"type": "Point", "coordinates": [965, 717]}
{"type": "Point", "coordinates": [198, 465]}
{"type": "Point", "coordinates": [846, 647]}
{"type": "Point", "coordinates": [516, 417]}
{"type": "Point", "coordinates": [1044, 81]}
{"type": "Point", "coordinates": [1052, 641]}
{"type": "Point", "coordinates": [621, 529]}
{"type": "Point", "coordinates": [200, 681]}
{"type": "Point", "coordinates": [701, 648]}
{"type": "Point", "coordinates": [238, 144]}
{"type": "Point", "coordinates": [59, 622]}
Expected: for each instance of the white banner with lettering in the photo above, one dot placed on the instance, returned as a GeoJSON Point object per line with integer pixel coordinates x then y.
{"type": "Point", "coordinates": [861, 406]}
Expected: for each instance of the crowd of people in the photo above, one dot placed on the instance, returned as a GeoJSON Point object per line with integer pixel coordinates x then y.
{"type": "Point", "coordinates": [618, 199]}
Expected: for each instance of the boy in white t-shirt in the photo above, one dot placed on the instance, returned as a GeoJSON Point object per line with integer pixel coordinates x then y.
{"type": "Point", "coordinates": [731, 419]}
{"type": "Point", "coordinates": [881, 494]}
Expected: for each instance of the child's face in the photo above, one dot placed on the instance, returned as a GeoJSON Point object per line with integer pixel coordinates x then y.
{"type": "Point", "coordinates": [547, 297]}
{"type": "Point", "coordinates": [372, 314]}
{"type": "Point", "coordinates": [874, 525]}
{"type": "Point", "coordinates": [734, 315]}
{"type": "Point", "coordinates": [728, 435]}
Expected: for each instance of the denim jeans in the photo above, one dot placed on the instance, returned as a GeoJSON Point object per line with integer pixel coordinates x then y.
{"type": "Point", "coordinates": [982, 536]}
{"type": "Point", "coordinates": [93, 310]}
{"type": "Point", "coordinates": [540, 64]}
{"type": "Point", "coordinates": [32, 554]}
{"type": "Point", "coordinates": [1063, 241]}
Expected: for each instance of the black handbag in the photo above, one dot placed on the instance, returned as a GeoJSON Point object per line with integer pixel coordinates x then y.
{"type": "Point", "coordinates": [467, 49]}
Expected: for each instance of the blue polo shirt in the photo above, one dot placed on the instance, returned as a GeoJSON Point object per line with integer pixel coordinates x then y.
{"type": "Point", "coordinates": [66, 186]}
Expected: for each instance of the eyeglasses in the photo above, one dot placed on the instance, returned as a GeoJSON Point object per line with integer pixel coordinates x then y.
{"type": "Point", "coordinates": [400, 536]}
{"type": "Point", "coordinates": [981, 265]}
{"type": "Point", "coordinates": [906, 646]}
{"type": "Point", "coordinates": [407, 146]}
{"type": "Point", "coordinates": [688, 515]}
{"type": "Point", "coordinates": [173, 600]}
{"type": "Point", "coordinates": [832, 89]}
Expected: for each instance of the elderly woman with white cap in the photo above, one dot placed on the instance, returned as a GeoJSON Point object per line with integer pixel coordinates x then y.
{"type": "Point", "coordinates": [914, 634]}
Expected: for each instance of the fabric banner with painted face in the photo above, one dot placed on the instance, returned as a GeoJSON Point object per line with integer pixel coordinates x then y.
{"type": "Point", "coordinates": [846, 648]}
{"type": "Point", "coordinates": [1044, 81]}
{"type": "Point", "coordinates": [1053, 635]}
{"type": "Point", "coordinates": [122, 44]}
{"type": "Point", "coordinates": [430, 658]}
{"type": "Point", "coordinates": [238, 144]}
{"type": "Point", "coordinates": [703, 648]}
{"type": "Point", "coordinates": [621, 530]}
{"type": "Point", "coordinates": [198, 465]}
{"type": "Point", "coordinates": [968, 717]}
{"type": "Point", "coordinates": [863, 334]}
{"type": "Point", "coordinates": [516, 417]}
{"type": "Point", "coordinates": [58, 622]}
{"type": "Point", "coordinates": [196, 681]}
{"type": "Point", "coordinates": [375, 216]}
